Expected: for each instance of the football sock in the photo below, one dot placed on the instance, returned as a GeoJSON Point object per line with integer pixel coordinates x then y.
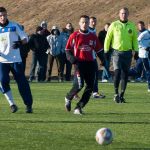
{"type": "Point", "coordinates": [117, 80]}
{"type": "Point", "coordinates": [9, 97]}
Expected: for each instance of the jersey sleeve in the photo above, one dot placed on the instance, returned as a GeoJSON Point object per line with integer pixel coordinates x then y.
{"type": "Point", "coordinates": [21, 33]}
{"type": "Point", "coordinates": [99, 46]}
{"type": "Point", "coordinates": [108, 39]}
{"type": "Point", "coordinates": [70, 43]}
{"type": "Point", "coordinates": [135, 41]}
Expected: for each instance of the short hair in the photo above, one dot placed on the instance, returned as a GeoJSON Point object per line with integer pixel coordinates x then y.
{"type": "Point", "coordinates": [107, 23]}
{"type": "Point", "coordinates": [125, 8]}
{"type": "Point", "coordinates": [142, 23]}
{"type": "Point", "coordinates": [2, 9]}
{"type": "Point", "coordinates": [84, 16]}
{"type": "Point", "coordinates": [92, 17]}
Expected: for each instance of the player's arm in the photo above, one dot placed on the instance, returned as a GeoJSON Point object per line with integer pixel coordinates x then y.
{"type": "Point", "coordinates": [23, 38]}
{"type": "Point", "coordinates": [134, 40]}
{"type": "Point", "coordinates": [70, 50]}
{"type": "Point", "coordinates": [100, 52]}
{"type": "Point", "coordinates": [108, 38]}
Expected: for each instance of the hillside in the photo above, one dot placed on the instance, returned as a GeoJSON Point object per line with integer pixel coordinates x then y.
{"type": "Point", "coordinates": [31, 12]}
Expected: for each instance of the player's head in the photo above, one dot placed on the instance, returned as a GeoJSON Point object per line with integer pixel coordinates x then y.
{"type": "Point", "coordinates": [3, 15]}
{"type": "Point", "coordinates": [106, 26]}
{"type": "Point", "coordinates": [141, 25]}
{"type": "Point", "coordinates": [123, 14]}
{"type": "Point", "coordinates": [84, 22]}
{"type": "Point", "coordinates": [92, 22]}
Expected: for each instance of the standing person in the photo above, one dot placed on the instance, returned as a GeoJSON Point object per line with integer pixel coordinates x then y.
{"type": "Point", "coordinates": [106, 76]}
{"type": "Point", "coordinates": [10, 60]}
{"type": "Point", "coordinates": [122, 37]}
{"type": "Point", "coordinates": [80, 52]}
{"type": "Point", "coordinates": [92, 29]}
{"type": "Point", "coordinates": [143, 60]}
{"type": "Point", "coordinates": [141, 75]}
{"type": "Point", "coordinates": [39, 45]}
{"type": "Point", "coordinates": [46, 33]}
{"type": "Point", "coordinates": [65, 34]}
{"type": "Point", "coordinates": [55, 41]}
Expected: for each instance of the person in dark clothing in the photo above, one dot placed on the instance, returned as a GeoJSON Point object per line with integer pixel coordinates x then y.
{"type": "Point", "coordinates": [65, 34]}
{"type": "Point", "coordinates": [106, 76]}
{"type": "Point", "coordinates": [79, 51]}
{"type": "Point", "coordinates": [46, 33]}
{"type": "Point", "coordinates": [39, 45]}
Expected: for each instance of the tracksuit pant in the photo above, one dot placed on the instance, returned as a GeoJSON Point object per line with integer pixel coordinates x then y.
{"type": "Point", "coordinates": [84, 72]}
{"type": "Point", "coordinates": [19, 76]}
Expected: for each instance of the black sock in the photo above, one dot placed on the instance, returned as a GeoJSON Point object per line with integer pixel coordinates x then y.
{"type": "Point", "coordinates": [117, 74]}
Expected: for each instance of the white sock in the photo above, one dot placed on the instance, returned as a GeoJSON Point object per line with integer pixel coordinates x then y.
{"type": "Point", "coordinates": [9, 97]}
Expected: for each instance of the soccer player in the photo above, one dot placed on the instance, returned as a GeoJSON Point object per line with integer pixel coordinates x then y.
{"type": "Point", "coordinates": [80, 51]}
{"type": "Point", "coordinates": [10, 60]}
{"type": "Point", "coordinates": [122, 37]}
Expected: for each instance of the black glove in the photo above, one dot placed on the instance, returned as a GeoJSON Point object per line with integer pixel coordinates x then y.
{"type": "Point", "coordinates": [106, 56]}
{"type": "Point", "coordinates": [148, 49]}
{"type": "Point", "coordinates": [101, 57]}
{"type": "Point", "coordinates": [136, 57]}
{"type": "Point", "coordinates": [17, 44]}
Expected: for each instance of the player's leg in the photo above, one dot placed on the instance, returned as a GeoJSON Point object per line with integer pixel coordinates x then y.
{"type": "Point", "coordinates": [88, 70]}
{"type": "Point", "coordinates": [78, 84]}
{"type": "Point", "coordinates": [5, 87]}
{"type": "Point", "coordinates": [125, 65]}
{"type": "Point", "coordinates": [117, 74]}
{"type": "Point", "coordinates": [23, 85]}
{"type": "Point", "coordinates": [146, 67]}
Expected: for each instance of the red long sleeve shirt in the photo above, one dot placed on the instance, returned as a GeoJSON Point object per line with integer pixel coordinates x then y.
{"type": "Point", "coordinates": [83, 45]}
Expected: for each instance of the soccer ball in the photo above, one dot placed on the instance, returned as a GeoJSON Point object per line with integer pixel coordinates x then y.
{"type": "Point", "coordinates": [104, 136]}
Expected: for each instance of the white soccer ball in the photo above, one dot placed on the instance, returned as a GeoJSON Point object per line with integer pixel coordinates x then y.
{"type": "Point", "coordinates": [104, 136]}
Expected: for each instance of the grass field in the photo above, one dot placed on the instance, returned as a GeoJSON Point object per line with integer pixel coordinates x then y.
{"type": "Point", "coordinates": [50, 127]}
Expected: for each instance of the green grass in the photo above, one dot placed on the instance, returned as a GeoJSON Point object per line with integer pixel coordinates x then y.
{"type": "Point", "coordinates": [50, 127]}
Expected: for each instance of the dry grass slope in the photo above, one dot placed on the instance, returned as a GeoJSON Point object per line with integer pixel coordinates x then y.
{"type": "Point", "coordinates": [31, 12]}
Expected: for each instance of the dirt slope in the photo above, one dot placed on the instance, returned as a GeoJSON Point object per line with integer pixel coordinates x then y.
{"type": "Point", "coordinates": [31, 12]}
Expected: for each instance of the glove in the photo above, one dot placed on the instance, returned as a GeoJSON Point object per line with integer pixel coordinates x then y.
{"type": "Point", "coordinates": [136, 56]}
{"type": "Point", "coordinates": [106, 56]}
{"type": "Point", "coordinates": [16, 44]}
{"type": "Point", "coordinates": [103, 63]}
{"type": "Point", "coordinates": [148, 49]}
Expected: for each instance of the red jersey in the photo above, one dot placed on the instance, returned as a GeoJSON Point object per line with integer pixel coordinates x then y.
{"type": "Point", "coordinates": [83, 45]}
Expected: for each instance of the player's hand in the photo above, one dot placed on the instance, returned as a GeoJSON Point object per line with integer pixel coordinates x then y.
{"type": "Point", "coordinates": [148, 49]}
{"type": "Point", "coordinates": [102, 63]}
{"type": "Point", "coordinates": [16, 44]}
{"type": "Point", "coordinates": [136, 56]}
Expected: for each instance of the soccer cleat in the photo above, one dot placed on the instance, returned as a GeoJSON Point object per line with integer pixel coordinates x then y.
{"type": "Point", "coordinates": [78, 111]}
{"type": "Point", "coordinates": [67, 104]}
{"type": "Point", "coordinates": [29, 109]}
{"type": "Point", "coordinates": [122, 100]}
{"type": "Point", "coordinates": [104, 80]}
{"type": "Point", "coordinates": [13, 108]}
{"type": "Point", "coordinates": [116, 98]}
{"type": "Point", "coordinates": [97, 95]}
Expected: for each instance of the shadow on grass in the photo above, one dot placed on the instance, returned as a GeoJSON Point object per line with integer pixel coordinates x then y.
{"type": "Point", "coordinates": [74, 122]}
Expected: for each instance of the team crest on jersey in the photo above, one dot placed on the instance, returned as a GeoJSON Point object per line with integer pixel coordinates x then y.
{"type": "Point", "coordinates": [129, 31]}
{"type": "Point", "coordinates": [91, 42]}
